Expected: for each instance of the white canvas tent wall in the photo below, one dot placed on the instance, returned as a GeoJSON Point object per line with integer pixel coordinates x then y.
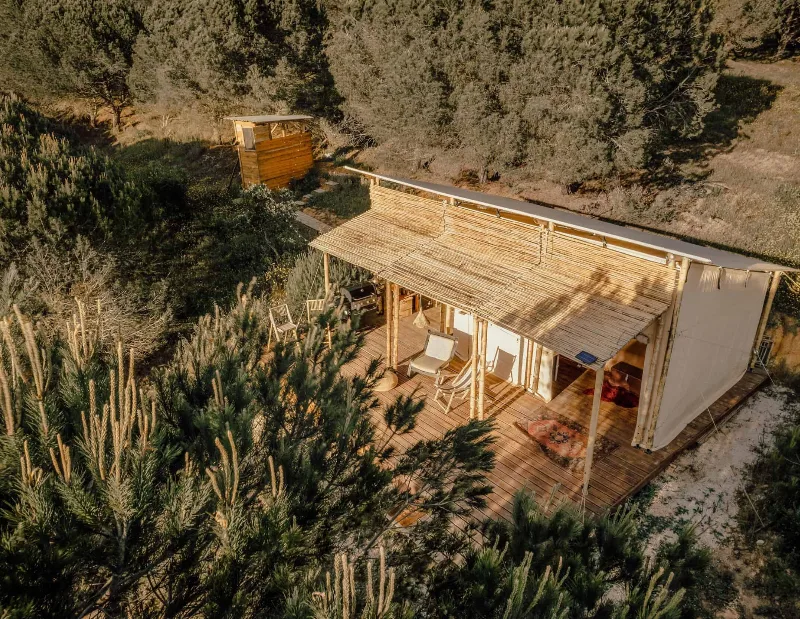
{"type": "Point", "coordinates": [708, 331]}
{"type": "Point", "coordinates": [717, 325]}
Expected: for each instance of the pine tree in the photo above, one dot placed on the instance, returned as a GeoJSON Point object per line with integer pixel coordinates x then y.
{"type": "Point", "coordinates": [82, 48]}
{"type": "Point", "coordinates": [223, 488]}
{"type": "Point", "coordinates": [552, 561]}
{"type": "Point", "coordinates": [222, 57]}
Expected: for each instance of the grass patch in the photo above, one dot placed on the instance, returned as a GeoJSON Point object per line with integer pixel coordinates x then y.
{"type": "Point", "coordinates": [201, 162]}
{"type": "Point", "coordinates": [351, 198]}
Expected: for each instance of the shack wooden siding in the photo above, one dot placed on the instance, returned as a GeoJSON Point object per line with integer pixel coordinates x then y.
{"type": "Point", "coordinates": [275, 162]}
{"type": "Point", "coordinates": [248, 159]}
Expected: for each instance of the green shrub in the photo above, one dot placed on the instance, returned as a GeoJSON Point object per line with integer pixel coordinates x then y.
{"type": "Point", "coordinates": [768, 511]}
{"type": "Point", "coordinates": [232, 236]}
{"type": "Point", "coordinates": [306, 280]}
{"type": "Point", "coordinates": [52, 190]}
{"type": "Point", "coordinates": [588, 556]}
{"type": "Point", "coordinates": [769, 27]}
{"type": "Point", "coordinates": [571, 89]}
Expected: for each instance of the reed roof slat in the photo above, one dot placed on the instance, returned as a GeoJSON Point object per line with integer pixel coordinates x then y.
{"type": "Point", "coordinates": [567, 293]}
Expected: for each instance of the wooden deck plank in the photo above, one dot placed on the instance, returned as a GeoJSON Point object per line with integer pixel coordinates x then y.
{"type": "Point", "coordinates": [519, 462]}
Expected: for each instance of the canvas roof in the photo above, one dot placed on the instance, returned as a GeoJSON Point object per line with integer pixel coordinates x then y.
{"type": "Point", "coordinates": [563, 292]}
{"type": "Point", "coordinates": [273, 118]}
{"type": "Point", "coordinates": [643, 238]}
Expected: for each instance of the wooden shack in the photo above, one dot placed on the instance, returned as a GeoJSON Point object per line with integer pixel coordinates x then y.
{"type": "Point", "coordinates": [273, 150]}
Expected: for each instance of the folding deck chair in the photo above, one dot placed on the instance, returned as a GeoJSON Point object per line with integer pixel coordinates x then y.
{"type": "Point", "coordinates": [281, 323]}
{"type": "Point", "coordinates": [315, 307]}
{"type": "Point", "coordinates": [449, 386]}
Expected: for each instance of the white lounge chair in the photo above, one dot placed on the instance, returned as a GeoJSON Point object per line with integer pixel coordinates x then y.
{"type": "Point", "coordinates": [440, 349]}
{"type": "Point", "coordinates": [281, 323]}
{"type": "Point", "coordinates": [450, 386]}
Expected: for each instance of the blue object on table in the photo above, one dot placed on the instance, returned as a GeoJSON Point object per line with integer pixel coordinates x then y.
{"type": "Point", "coordinates": [586, 358]}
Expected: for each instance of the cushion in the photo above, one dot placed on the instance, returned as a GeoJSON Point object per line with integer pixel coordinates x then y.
{"type": "Point", "coordinates": [440, 347]}
{"type": "Point", "coordinates": [425, 364]}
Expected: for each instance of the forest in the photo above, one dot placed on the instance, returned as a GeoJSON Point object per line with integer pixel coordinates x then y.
{"type": "Point", "coordinates": [154, 462]}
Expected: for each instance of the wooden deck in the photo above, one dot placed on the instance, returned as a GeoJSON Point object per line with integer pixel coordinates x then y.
{"type": "Point", "coordinates": [520, 462]}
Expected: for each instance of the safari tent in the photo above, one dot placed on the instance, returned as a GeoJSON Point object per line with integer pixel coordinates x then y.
{"type": "Point", "coordinates": [532, 294]}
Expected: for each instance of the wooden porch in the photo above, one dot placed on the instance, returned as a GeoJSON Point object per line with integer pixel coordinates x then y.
{"type": "Point", "coordinates": [619, 470]}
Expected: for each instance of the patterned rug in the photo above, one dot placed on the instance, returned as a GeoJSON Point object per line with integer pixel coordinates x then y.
{"type": "Point", "coordinates": [563, 440]}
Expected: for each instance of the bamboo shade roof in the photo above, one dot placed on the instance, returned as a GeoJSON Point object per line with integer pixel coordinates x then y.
{"type": "Point", "coordinates": [600, 228]}
{"type": "Point", "coordinates": [566, 293]}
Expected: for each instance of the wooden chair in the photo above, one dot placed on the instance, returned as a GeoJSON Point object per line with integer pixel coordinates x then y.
{"type": "Point", "coordinates": [440, 349]}
{"type": "Point", "coordinates": [315, 307]}
{"type": "Point", "coordinates": [450, 386]}
{"type": "Point", "coordinates": [281, 323]}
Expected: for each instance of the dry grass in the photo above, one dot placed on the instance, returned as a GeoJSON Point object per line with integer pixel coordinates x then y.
{"type": "Point", "coordinates": [737, 186]}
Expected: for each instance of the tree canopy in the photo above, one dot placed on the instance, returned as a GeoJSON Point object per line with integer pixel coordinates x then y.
{"type": "Point", "coordinates": [572, 90]}
{"type": "Point", "coordinates": [223, 56]}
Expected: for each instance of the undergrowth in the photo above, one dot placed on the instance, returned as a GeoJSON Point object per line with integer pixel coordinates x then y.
{"type": "Point", "coordinates": [769, 513]}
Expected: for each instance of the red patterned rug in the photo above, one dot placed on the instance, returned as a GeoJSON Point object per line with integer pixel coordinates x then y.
{"type": "Point", "coordinates": [563, 440]}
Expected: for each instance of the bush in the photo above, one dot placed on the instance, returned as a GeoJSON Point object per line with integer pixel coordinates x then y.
{"type": "Point", "coordinates": [50, 280]}
{"type": "Point", "coordinates": [232, 236]}
{"type": "Point", "coordinates": [54, 191]}
{"type": "Point", "coordinates": [765, 27]}
{"type": "Point", "coordinates": [573, 90]}
{"type": "Point", "coordinates": [306, 280]}
{"type": "Point", "coordinates": [768, 510]}
{"type": "Point", "coordinates": [597, 564]}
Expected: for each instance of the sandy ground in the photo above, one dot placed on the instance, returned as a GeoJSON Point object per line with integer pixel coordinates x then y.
{"type": "Point", "coordinates": [700, 488]}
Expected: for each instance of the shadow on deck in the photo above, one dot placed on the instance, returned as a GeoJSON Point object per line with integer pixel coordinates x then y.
{"type": "Point", "coordinates": [619, 470]}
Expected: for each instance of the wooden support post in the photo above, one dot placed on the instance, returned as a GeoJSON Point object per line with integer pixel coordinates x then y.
{"type": "Point", "coordinates": [326, 263]}
{"type": "Point", "coordinates": [659, 352]}
{"type": "Point", "coordinates": [388, 312]}
{"type": "Point", "coordinates": [651, 358]}
{"type": "Point", "coordinates": [596, 400]}
{"type": "Point", "coordinates": [474, 363]}
{"type": "Point", "coordinates": [442, 318]}
{"type": "Point", "coordinates": [526, 381]}
{"type": "Point", "coordinates": [655, 406]}
{"type": "Point", "coordinates": [537, 367]}
{"type": "Point", "coordinates": [762, 324]}
{"type": "Point", "coordinates": [395, 322]}
{"type": "Point", "coordinates": [482, 362]}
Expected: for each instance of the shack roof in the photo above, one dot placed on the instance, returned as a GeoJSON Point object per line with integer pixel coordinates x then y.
{"type": "Point", "coordinates": [583, 223]}
{"type": "Point", "coordinates": [269, 118]}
